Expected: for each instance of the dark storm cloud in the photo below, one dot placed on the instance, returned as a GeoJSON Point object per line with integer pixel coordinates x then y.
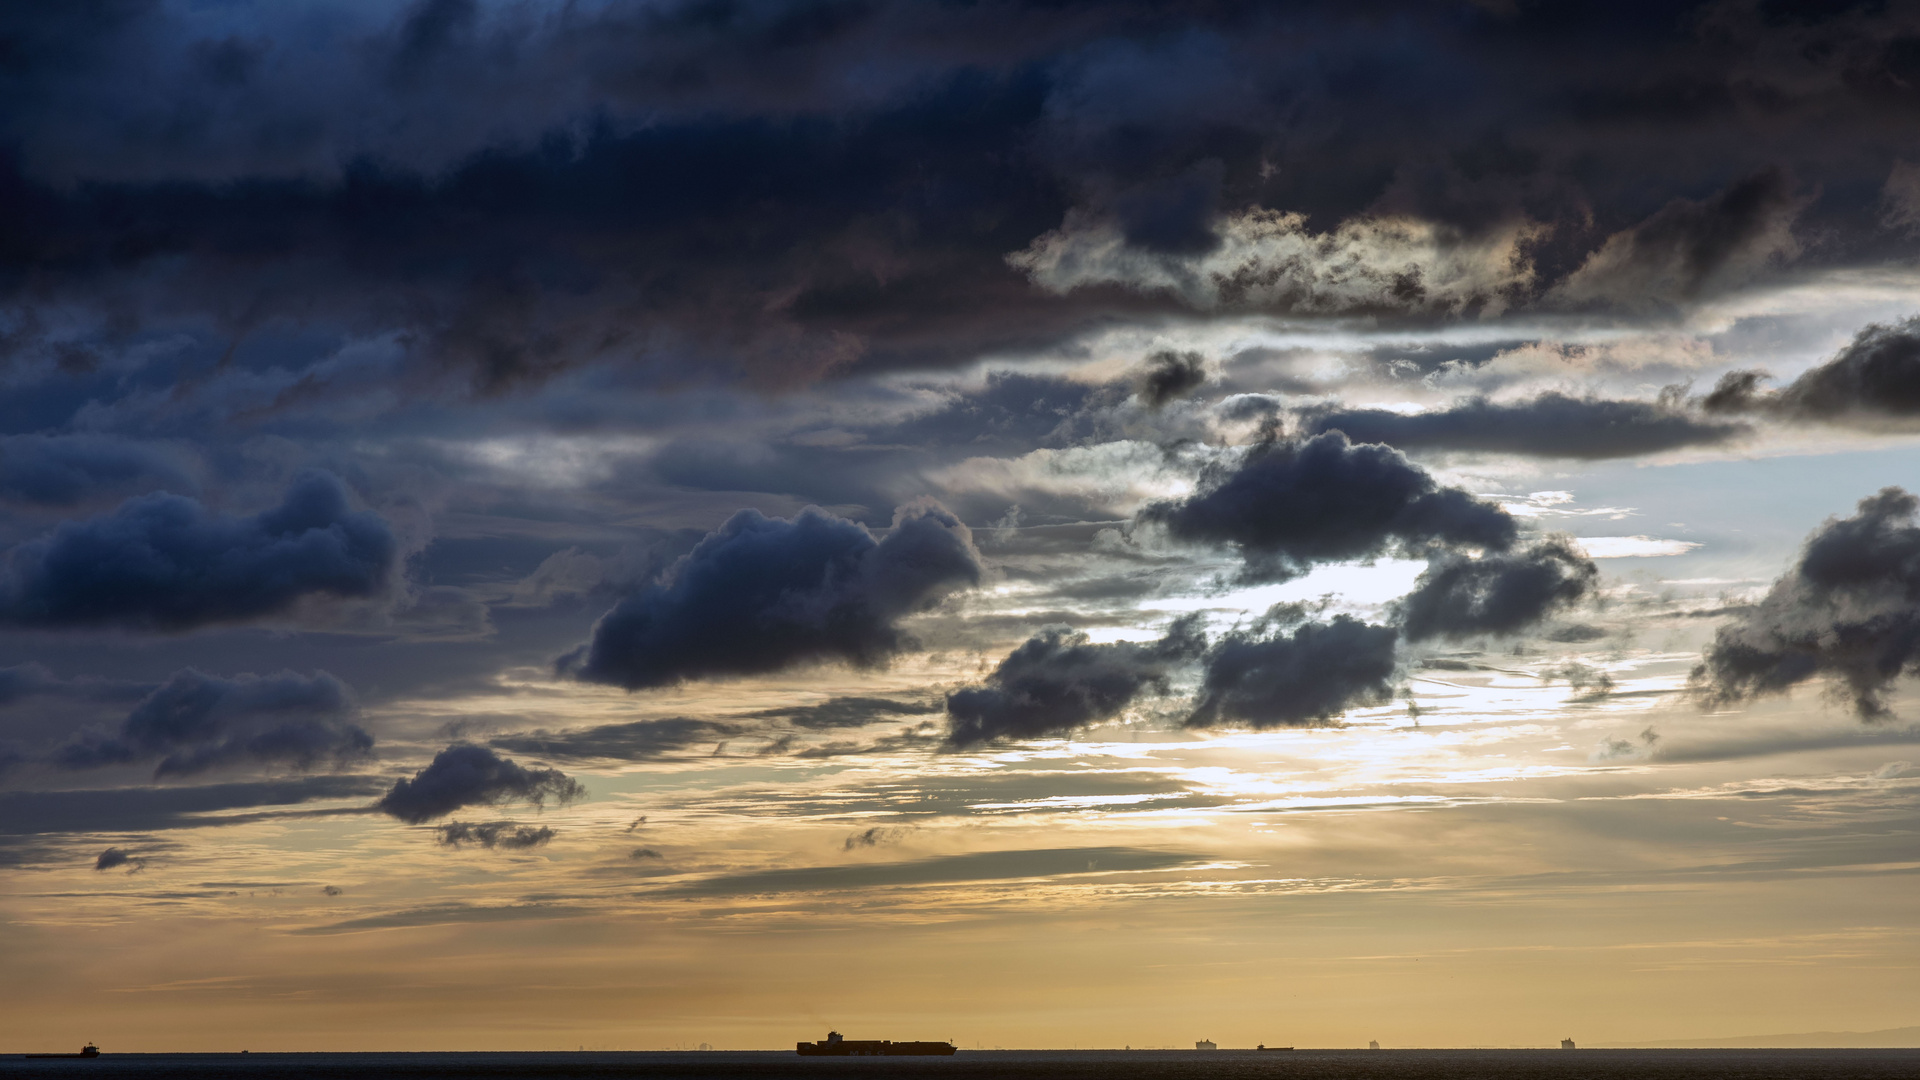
{"type": "Point", "coordinates": [165, 562]}
{"type": "Point", "coordinates": [1693, 247]}
{"type": "Point", "coordinates": [465, 775]}
{"type": "Point", "coordinates": [1289, 505]}
{"type": "Point", "coordinates": [761, 594]}
{"type": "Point", "coordinates": [61, 470]}
{"type": "Point", "coordinates": [195, 722]}
{"type": "Point", "coordinates": [516, 188]}
{"type": "Point", "coordinates": [1500, 593]}
{"type": "Point", "coordinates": [1849, 609]}
{"type": "Point", "coordinates": [1875, 378]}
{"type": "Point", "coordinates": [1551, 425]}
{"type": "Point", "coordinates": [639, 740]}
{"type": "Point", "coordinates": [1169, 375]}
{"type": "Point", "coordinates": [505, 835]}
{"type": "Point", "coordinates": [1268, 676]}
{"type": "Point", "coordinates": [1059, 680]}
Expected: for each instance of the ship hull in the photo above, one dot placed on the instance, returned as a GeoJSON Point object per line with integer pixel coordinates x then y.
{"type": "Point", "coordinates": [875, 1048]}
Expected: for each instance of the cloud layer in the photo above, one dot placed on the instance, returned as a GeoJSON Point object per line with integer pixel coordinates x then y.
{"type": "Point", "coordinates": [1550, 425]}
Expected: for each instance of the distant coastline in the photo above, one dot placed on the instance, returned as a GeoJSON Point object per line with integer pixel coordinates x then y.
{"type": "Point", "coordinates": [1883, 1039]}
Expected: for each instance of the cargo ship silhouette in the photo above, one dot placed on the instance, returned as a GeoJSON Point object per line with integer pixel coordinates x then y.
{"type": "Point", "coordinates": [836, 1046]}
{"type": "Point", "coordinates": [87, 1051]}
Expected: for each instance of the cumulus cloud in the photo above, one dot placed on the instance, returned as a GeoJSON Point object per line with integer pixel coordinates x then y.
{"type": "Point", "coordinates": [1690, 248]}
{"type": "Point", "coordinates": [431, 171]}
{"type": "Point", "coordinates": [196, 722]}
{"type": "Point", "coordinates": [1550, 425]}
{"type": "Point", "coordinates": [465, 775]}
{"type": "Point", "coordinates": [505, 835]}
{"type": "Point", "coordinates": [1875, 378]}
{"type": "Point", "coordinates": [1288, 505]}
{"type": "Point", "coordinates": [1059, 680]}
{"type": "Point", "coordinates": [165, 562]}
{"type": "Point", "coordinates": [1270, 676]}
{"type": "Point", "coordinates": [1848, 609]}
{"type": "Point", "coordinates": [761, 594]}
{"type": "Point", "coordinates": [1501, 593]}
{"type": "Point", "coordinates": [1272, 261]}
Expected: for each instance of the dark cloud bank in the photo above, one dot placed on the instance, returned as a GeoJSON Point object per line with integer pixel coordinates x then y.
{"type": "Point", "coordinates": [516, 189]}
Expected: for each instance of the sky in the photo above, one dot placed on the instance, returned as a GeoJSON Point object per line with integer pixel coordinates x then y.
{"type": "Point", "coordinates": [633, 523]}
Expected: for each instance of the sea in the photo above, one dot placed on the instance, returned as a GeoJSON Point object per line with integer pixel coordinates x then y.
{"type": "Point", "coordinates": [1579, 1064]}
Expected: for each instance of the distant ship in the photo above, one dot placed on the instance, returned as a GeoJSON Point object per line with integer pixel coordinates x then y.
{"type": "Point", "coordinates": [836, 1046]}
{"type": "Point", "coordinates": [1264, 1046]}
{"type": "Point", "coordinates": [87, 1051]}
{"type": "Point", "coordinates": [1566, 1044]}
{"type": "Point", "coordinates": [1205, 1044]}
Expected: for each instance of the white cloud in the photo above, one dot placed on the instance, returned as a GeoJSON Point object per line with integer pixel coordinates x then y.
{"type": "Point", "coordinates": [1633, 547]}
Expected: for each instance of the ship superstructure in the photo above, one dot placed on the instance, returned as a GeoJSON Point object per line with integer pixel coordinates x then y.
{"type": "Point", "coordinates": [836, 1045]}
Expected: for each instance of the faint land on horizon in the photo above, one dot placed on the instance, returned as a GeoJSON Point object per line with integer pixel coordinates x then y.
{"type": "Point", "coordinates": [1885, 1038]}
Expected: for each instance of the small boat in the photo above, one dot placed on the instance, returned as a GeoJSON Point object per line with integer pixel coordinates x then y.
{"type": "Point", "coordinates": [1264, 1046]}
{"type": "Point", "coordinates": [87, 1051]}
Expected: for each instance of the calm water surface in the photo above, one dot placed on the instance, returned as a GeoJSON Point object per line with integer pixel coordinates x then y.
{"type": "Point", "coordinates": [1004, 1065]}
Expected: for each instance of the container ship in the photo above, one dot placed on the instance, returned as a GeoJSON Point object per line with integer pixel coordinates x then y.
{"type": "Point", "coordinates": [836, 1046]}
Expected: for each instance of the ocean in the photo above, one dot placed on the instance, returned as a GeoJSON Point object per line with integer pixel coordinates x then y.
{"type": "Point", "coordinates": [1003, 1065]}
